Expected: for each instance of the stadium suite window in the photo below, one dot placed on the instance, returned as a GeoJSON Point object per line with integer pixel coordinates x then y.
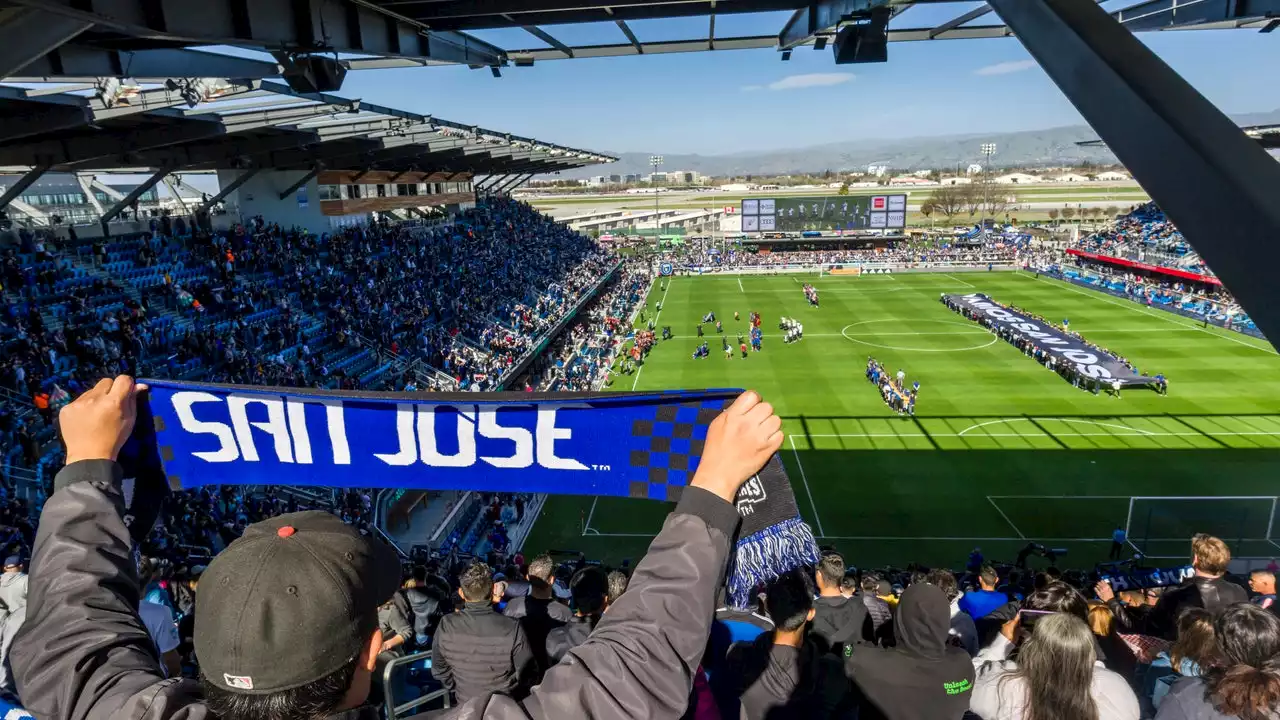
{"type": "Point", "coordinates": [330, 192]}
{"type": "Point", "coordinates": [353, 192]}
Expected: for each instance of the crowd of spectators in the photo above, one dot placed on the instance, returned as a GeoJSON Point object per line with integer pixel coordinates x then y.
{"type": "Point", "coordinates": [1146, 235]}
{"type": "Point", "coordinates": [905, 254]}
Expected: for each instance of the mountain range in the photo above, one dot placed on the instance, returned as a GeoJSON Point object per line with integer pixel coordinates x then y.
{"type": "Point", "coordinates": [1031, 148]}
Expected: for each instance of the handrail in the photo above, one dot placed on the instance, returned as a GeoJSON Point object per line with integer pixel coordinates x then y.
{"type": "Point", "coordinates": [394, 711]}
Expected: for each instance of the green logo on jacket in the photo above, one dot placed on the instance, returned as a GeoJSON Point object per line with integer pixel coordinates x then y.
{"type": "Point", "coordinates": [957, 687]}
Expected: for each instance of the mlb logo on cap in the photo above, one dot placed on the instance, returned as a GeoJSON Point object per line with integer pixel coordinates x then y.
{"type": "Point", "coordinates": [239, 682]}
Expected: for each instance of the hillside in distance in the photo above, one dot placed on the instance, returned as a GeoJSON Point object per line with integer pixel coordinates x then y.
{"type": "Point", "coordinates": [1052, 146]}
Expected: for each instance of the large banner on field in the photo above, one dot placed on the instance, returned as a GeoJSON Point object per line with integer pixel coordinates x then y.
{"type": "Point", "coordinates": [1090, 361]}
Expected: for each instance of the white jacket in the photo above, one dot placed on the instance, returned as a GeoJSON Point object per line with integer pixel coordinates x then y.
{"type": "Point", "coordinates": [996, 700]}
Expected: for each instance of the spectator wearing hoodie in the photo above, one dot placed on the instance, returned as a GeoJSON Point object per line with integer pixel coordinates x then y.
{"type": "Point", "coordinates": [923, 677]}
{"type": "Point", "coordinates": [1246, 684]}
{"type": "Point", "coordinates": [1195, 650]}
{"type": "Point", "coordinates": [838, 620]}
{"type": "Point", "coordinates": [1057, 674]}
{"type": "Point", "coordinates": [783, 674]}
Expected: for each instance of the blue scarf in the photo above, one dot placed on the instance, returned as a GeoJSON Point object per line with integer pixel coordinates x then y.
{"type": "Point", "coordinates": [616, 444]}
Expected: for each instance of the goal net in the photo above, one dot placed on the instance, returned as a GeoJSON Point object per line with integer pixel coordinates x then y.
{"type": "Point", "coordinates": [1162, 526]}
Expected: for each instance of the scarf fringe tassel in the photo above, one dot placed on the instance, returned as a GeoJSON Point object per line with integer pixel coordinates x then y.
{"type": "Point", "coordinates": [763, 556]}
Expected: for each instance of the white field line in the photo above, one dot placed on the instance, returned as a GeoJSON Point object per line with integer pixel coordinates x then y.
{"type": "Point", "coordinates": [1006, 518]}
{"type": "Point", "coordinates": [816, 517]}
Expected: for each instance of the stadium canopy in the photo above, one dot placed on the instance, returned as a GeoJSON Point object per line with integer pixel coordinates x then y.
{"type": "Point", "coordinates": [76, 39]}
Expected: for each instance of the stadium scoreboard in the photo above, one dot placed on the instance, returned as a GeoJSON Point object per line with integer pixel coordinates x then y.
{"type": "Point", "coordinates": [825, 214]}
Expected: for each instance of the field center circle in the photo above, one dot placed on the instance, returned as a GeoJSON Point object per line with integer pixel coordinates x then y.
{"type": "Point", "coordinates": [991, 340]}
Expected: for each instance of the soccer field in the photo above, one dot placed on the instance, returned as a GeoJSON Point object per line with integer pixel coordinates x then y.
{"type": "Point", "coordinates": [1001, 451]}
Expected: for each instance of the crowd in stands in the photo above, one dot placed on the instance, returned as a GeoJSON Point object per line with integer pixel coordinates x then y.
{"type": "Point", "coordinates": [907, 255]}
{"type": "Point", "coordinates": [1145, 234]}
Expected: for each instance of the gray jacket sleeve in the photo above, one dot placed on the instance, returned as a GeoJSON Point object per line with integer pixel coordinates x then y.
{"type": "Point", "coordinates": [83, 652]}
{"type": "Point", "coordinates": [639, 661]}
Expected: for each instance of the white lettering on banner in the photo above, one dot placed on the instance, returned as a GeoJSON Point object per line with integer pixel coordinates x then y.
{"type": "Point", "coordinates": [275, 426]}
{"type": "Point", "coordinates": [302, 439]}
{"type": "Point", "coordinates": [416, 433]}
{"type": "Point", "coordinates": [1085, 361]}
{"type": "Point", "coordinates": [182, 402]}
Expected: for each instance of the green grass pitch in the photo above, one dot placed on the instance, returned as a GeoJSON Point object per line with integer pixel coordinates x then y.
{"type": "Point", "coordinates": [1001, 450]}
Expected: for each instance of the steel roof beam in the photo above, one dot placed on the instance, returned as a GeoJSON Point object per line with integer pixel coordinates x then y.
{"type": "Point", "coordinates": [819, 17]}
{"type": "Point", "coordinates": [27, 34]}
{"type": "Point", "coordinates": [305, 179]}
{"type": "Point", "coordinates": [229, 188]}
{"type": "Point", "coordinates": [960, 20]}
{"type": "Point", "coordinates": [547, 38]}
{"type": "Point", "coordinates": [76, 61]}
{"type": "Point", "coordinates": [357, 27]}
{"type": "Point", "coordinates": [27, 180]}
{"type": "Point", "coordinates": [626, 30]}
{"type": "Point", "coordinates": [133, 195]}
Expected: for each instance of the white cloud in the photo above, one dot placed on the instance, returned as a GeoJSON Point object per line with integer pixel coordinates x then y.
{"type": "Point", "coordinates": [798, 82]}
{"type": "Point", "coordinates": [752, 88]}
{"type": "Point", "coordinates": [1006, 68]}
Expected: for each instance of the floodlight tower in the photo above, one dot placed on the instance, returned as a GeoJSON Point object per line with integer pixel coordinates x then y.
{"type": "Point", "coordinates": [655, 161]}
{"type": "Point", "coordinates": [988, 149]}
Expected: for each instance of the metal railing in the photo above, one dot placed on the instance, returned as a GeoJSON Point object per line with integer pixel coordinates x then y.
{"type": "Point", "coordinates": [396, 711]}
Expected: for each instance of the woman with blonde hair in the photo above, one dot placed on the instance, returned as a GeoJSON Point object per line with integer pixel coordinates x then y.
{"type": "Point", "coordinates": [1056, 676]}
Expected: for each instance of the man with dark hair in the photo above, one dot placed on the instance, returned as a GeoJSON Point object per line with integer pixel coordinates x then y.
{"type": "Point", "coordinates": [539, 611]}
{"type": "Point", "coordinates": [979, 603]}
{"type": "Point", "coordinates": [963, 631]}
{"type": "Point", "coordinates": [588, 587]}
{"type": "Point", "coordinates": [783, 674]}
{"type": "Point", "coordinates": [838, 620]}
{"type": "Point", "coordinates": [877, 609]}
{"type": "Point", "coordinates": [286, 624]}
{"type": "Point", "coordinates": [478, 651]}
{"type": "Point", "coordinates": [617, 585]}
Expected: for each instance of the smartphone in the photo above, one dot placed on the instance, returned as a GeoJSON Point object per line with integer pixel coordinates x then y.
{"type": "Point", "coordinates": [1029, 618]}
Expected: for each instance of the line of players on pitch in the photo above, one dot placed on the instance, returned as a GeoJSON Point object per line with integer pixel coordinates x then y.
{"type": "Point", "coordinates": [756, 336]}
{"type": "Point", "coordinates": [893, 388]}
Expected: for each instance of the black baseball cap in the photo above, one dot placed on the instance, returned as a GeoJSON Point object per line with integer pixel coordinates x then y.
{"type": "Point", "coordinates": [291, 601]}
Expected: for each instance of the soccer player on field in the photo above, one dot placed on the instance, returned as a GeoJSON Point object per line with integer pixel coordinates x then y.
{"type": "Point", "coordinates": [744, 347]}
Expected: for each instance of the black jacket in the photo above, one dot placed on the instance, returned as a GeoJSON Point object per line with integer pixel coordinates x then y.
{"type": "Point", "coordinates": [881, 618]}
{"type": "Point", "coordinates": [476, 651]}
{"type": "Point", "coordinates": [1212, 594]}
{"type": "Point", "coordinates": [84, 653]}
{"type": "Point", "coordinates": [775, 682]}
{"type": "Point", "coordinates": [538, 617]}
{"type": "Point", "coordinates": [840, 621]}
{"type": "Point", "coordinates": [922, 677]}
{"type": "Point", "coordinates": [569, 636]}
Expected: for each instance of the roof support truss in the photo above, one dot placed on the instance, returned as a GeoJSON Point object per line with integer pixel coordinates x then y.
{"type": "Point", "coordinates": [231, 187]}
{"type": "Point", "coordinates": [15, 190]}
{"type": "Point", "coordinates": [132, 197]}
{"type": "Point", "coordinates": [301, 181]}
{"type": "Point", "coordinates": [27, 34]}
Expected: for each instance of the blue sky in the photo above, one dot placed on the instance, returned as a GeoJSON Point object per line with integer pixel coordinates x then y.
{"type": "Point", "coordinates": [725, 102]}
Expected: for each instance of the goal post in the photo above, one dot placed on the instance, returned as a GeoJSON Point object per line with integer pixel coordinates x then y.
{"type": "Point", "coordinates": [1162, 525]}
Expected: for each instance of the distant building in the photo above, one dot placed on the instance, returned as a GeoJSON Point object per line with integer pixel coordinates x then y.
{"type": "Point", "coordinates": [974, 169]}
{"type": "Point", "coordinates": [922, 173]}
{"type": "Point", "coordinates": [1071, 178]}
{"type": "Point", "coordinates": [1018, 179]}
{"type": "Point", "coordinates": [632, 178]}
{"type": "Point", "coordinates": [615, 179]}
{"type": "Point", "coordinates": [957, 181]}
{"type": "Point", "coordinates": [1113, 176]}
{"type": "Point", "coordinates": [877, 170]}
{"type": "Point", "coordinates": [902, 180]}
{"type": "Point", "coordinates": [737, 188]}
{"type": "Point", "coordinates": [60, 194]}
{"type": "Point", "coordinates": [596, 181]}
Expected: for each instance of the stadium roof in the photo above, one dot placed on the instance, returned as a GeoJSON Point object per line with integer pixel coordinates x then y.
{"type": "Point", "coordinates": [222, 124]}
{"type": "Point", "coordinates": [152, 38]}
{"type": "Point", "coordinates": [1268, 136]}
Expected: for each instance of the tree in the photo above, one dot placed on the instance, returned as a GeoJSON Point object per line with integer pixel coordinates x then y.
{"type": "Point", "coordinates": [1053, 215]}
{"type": "Point", "coordinates": [1068, 213]}
{"type": "Point", "coordinates": [948, 200]}
{"type": "Point", "coordinates": [844, 189]}
{"type": "Point", "coordinates": [1112, 212]}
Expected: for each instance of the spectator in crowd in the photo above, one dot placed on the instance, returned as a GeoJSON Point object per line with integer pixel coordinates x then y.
{"type": "Point", "coordinates": [429, 597]}
{"type": "Point", "coordinates": [979, 603]}
{"type": "Point", "coordinates": [877, 609]}
{"type": "Point", "coordinates": [13, 612]}
{"type": "Point", "coordinates": [163, 632]}
{"type": "Point", "coordinates": [85, 595]}
{"type": "Point", "coordinates": [478, 651]}
{"type": "Point", "coordinates": [963, 633]}
{"type": "Point", "coordinates": [783, 673]}
{"type": "Point", "coordinates": [589, 588]}
{"type": "Point", "coordinates": [1195, 651]}
{"type": "Point", "coordinates": [838, 620]}
{"type": "Point", "coordinates": [1057, 675]}
{"type": "Point", "coordinates": [397, 634]}
{"type": "Point", "coordinates": [539, 611]}
{"type": "Point", "coordinates": [1207, 589]}
{"type": "Point", "coordinates": [1115, 654]}
{"type": "Point", "coordinates": [617, 585]}
{"type": "Point", "coordinates": [1245, 684]}
{"type": "Point", "coordinates": [1263, 584]}
{"type": "Point", "coordinates": [922, 677]}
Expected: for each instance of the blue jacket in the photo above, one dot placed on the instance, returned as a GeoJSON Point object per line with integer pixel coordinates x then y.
{"type": "Point", "coordinates": [980, 603]}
